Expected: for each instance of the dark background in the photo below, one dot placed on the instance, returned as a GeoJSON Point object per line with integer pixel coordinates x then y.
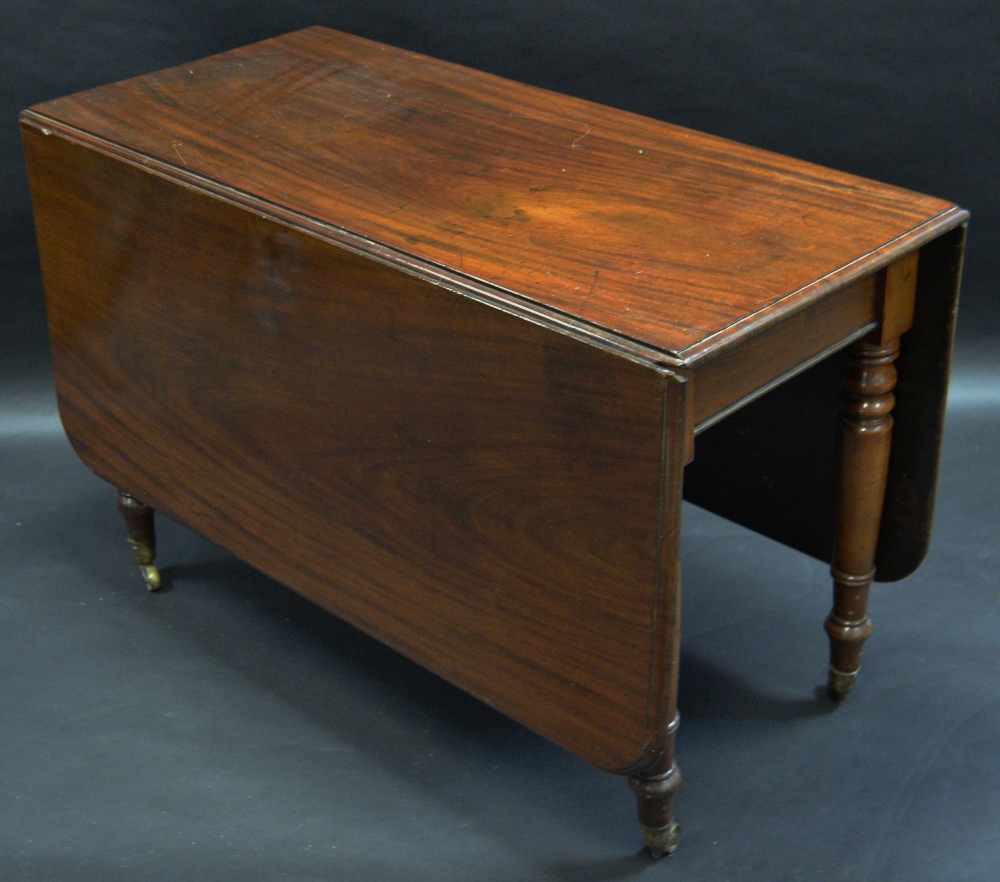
{"type": "Point", "coordinates": [228, 730]}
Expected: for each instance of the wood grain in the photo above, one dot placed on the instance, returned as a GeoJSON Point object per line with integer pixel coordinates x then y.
{"type": "Point", "coordinates": [680, 240]}
{"type": "Point", "coordinates": [738, 375]}
{"type": "Point", "coordinates": [771, 465]}
{"type": "Point", "coordinates": [431, 347]}
{"type": "Point", "coordinates": [498, 501]}
{"type": "Point", "coordinates": [924, 366]}
{"type": "Point", "coordinates": [864, 445]}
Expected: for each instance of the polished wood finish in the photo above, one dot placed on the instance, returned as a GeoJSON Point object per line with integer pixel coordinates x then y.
{"type": "Point", "coordinates": [456, 481]}
{"type": "Point", "coordinates": [431, 348]}
{"type": "Point", "coordinates": [771, 465]}
{"type": "Point", "coordinates": [737, 376]}
{"type": "Point", "coordinates": [595, 216]}
{"type": "Point", "coordinates": [924, 367]}
{"type": "Point", "coordinates": [866, 430]}
{"type": "Point", "coordinates": [654, 790]}
{"type": "Point", "coordinates": [899, 289]}
{"type": "Point", "coordinates": [679, 253]}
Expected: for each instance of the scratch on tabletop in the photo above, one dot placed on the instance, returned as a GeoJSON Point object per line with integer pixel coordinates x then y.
{"type": "Point", "coordinates": [576, 143]}
{"type": "Point", "coordinates": [586, 300]}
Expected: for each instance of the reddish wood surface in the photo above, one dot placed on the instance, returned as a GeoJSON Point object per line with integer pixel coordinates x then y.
{"type": "Point", "coordinates": [498, 501]}
{"type": "Point", "coordinates": [655, 789]}
{"type": "Point", "coordinates": [865, 436]}
{"type": "Point", "coordinates": [140, 528]}
{"type": "Point", "coordinates": [899, 297]}
{"type": "Point", "coordinates": [740, 374]}
{"type": "Point", "coordinates": [430, 347]}
{"type": "Point", "coordinates": [924, 367]}
{"type": "Point", "coordinates": [771, 466]}
{"type": "Point", "coordinates": [683, 241]}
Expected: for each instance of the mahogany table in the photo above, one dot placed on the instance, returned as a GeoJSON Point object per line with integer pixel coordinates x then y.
{"type": "Point", "coordinates": [433, 349]}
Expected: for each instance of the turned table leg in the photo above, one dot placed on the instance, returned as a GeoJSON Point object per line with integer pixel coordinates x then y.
{"type": "Point", "coordinates": [654, 791]}
{"type": "Point", "coordinates": [865, 434]}
{"type": "Point", "coordinates": [141, 536]}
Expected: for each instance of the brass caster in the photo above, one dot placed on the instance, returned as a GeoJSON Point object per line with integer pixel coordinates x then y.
{"type": "Point", "coordinates": [661, 840]}
{"type": "Point", "coordinates": [840, 683]}
{"type": "Point", "coordinates": [151, 576]}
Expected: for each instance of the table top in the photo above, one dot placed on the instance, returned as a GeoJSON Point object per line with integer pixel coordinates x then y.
{"type": "Point", "coordinates": [598, 219]}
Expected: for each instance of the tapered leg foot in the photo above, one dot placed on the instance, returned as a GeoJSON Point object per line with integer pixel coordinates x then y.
{"type": "Point", "coordinates": [141, 537]}
{"type": "Point", "coordinates": [654, 792]}
{"type": "Point", "coordinates": [848, 627]}
{"type": "Point", "coordinates": [865, 436]}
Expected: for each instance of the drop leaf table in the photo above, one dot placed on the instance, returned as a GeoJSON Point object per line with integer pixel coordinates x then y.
{"type": "Point", "coordinates": [442, 353]}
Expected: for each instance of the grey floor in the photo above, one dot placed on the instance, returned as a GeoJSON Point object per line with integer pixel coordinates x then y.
{"type": "Point", "coordinates": [227, 730]}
